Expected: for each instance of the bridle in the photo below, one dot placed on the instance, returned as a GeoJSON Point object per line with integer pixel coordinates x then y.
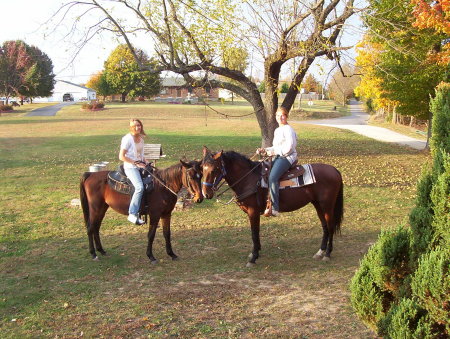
{"type": "Point", "coordinates": [222, 174]}
{"type": "Point", "coordinates": [218, 178]}
{"type": "Point", "coordinates": [188, 181]}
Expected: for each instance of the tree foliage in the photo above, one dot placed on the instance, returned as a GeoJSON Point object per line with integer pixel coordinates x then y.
{"type": "Point", "coordinates": [99, 83]}
{"type": "Point", "coordinates": [310, 84]}
{"type": "Point", "coordinates": [196, 39]}
{"type": "Point", "coordinates": [25, 70]}
{"type": "Point", "coordinates": [371, 87]}
{"type": "Point", "coordinates": [284, 87]}
{"type": "Point", "coordinates": [401, 67]}
{"type": "Point", "coordinates": [434, 15]}
{"type": "Point", "coordinates": [39, 78]}
{"type": "Point", "coordinates": [124, 75]}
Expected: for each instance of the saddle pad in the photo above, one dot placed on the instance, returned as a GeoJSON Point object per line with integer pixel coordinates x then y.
{"type": "Point", "coordinates": [307, 178]}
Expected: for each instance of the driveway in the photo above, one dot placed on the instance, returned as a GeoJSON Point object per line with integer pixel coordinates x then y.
{"type": "Point", "coordinates": [357, 122]}
{"type": "Point", "coordinates": [49, 110]}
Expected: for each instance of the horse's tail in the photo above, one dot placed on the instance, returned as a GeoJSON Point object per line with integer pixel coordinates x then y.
{"type": "Point", "coordinates": [83, 198]}
{"type": "Point", "coordinates": [339, 208]}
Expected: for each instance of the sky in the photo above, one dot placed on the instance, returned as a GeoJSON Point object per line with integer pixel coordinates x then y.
{"type": "Point", "coordinates": [26, 20]}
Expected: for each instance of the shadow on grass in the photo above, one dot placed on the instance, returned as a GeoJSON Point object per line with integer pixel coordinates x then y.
{"type": "Point", "coordinates": [54, 267]}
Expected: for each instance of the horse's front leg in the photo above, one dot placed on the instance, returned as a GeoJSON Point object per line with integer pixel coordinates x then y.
{"type": "Point", "coordinates": [254, 218]}
{"type": "Point", "coordinates": [166, 231]}
{"type": "Point", "coordinates": [154, 220]}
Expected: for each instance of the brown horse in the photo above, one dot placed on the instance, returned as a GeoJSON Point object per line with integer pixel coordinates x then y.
{"type": "Point", "coordinates": [243, 177]}
{"type": "Point", "coordinates": [96, 196]}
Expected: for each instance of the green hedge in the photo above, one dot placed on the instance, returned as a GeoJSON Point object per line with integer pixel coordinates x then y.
{"type": "Point", "coordinates": [401, 289]}
{"type": "Point", "coordinates": [431, 287]}
{"type": "Point", "coordinates": [406, 320]}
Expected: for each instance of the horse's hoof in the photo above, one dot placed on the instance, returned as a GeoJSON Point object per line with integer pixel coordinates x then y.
{"type": "Point", "coordinates": [96, 258]}
{"type": "Point", "coordinates": [250, 264]}
{"type": "Point", "coordinates": [154, 262]}
{"type": "Point", "coordinates": [319, 254]}
{"type": "Point", "coordinates": [175, 258]}
{"type": "Point", "coordinates": [326, 259]}
{"type": "Point", "coordinates": [103, 253]}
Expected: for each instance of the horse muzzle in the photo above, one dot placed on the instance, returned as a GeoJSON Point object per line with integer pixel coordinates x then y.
{"type": "Point", "coordinates": [198, 198]}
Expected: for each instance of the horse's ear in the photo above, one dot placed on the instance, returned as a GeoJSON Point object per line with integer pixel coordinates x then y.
{"type": "Point", "coordinates": [185, 164]}
{"type": "Point", "coordinates": [218, 155]}
{"type": "Point", "coordinates": [205, 150]}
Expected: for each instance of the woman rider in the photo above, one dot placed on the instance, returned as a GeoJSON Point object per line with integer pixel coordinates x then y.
{"type": "Point", "coordinates": [284, 151]}
{"type": "Point", "coordinates": [132, 155]}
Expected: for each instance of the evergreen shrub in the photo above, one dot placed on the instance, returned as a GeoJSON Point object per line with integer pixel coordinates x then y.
{"type": "Point", "coordinates": [367, 298]}
{"type": "Point", "coordinates": [440, 196]}
{"type": "Point", "coordinates": [403, 281]}
{"type": "Point", "coordinates": [431, 287]}
{"type": "Point", "coordinates": [377, 283]}
{"type": "Point", "coordinates": [406, 320]}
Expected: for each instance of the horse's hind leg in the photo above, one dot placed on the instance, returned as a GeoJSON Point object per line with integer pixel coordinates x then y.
{"type": "Point", "coordinates": [323, 246]}
{"type": "Point", "coordinates": [166, 231]}
{"type": "Point", "coordinates": [93, 227]}
{"type": "Point", "coordinates": [97, 224]}
{"type": "Point", "coordinates": [90, 234]}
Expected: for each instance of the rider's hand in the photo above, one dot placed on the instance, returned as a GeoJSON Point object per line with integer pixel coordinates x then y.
{"type": "Point", "coordinates": [261, 151]}
{"type": "Point", "coordinates": [139, 164]}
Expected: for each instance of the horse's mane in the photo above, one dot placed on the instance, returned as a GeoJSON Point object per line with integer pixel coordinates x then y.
{"type": "Point", "coordinates": [170, 174]}
{"type": "Point", "coordinates": [233, 156]}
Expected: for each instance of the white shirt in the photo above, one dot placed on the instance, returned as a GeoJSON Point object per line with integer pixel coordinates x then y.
{"type": "Point", "coordinates": [129, 145]}
{"type": "Point", "coordinates": [284, 143]}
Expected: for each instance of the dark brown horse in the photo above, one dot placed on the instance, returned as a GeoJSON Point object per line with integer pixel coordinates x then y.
{"type": "Point", "coordinates": [243, 177]}
{"type": "Point", "coordinates": [96, 196]}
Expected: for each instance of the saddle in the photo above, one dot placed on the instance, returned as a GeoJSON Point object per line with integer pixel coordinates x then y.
{"type": "Point", "coordinates": [293, 172]}
{"type": "Point", "coordinates": [119, 182]}
{"type": "Point", "coordinates": [288, 179]}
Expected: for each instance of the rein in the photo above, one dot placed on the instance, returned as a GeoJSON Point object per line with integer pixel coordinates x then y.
{"type": "Point", "coordinates": [245, 195]}
{"type": "Point", "coordinates": [160, 181]}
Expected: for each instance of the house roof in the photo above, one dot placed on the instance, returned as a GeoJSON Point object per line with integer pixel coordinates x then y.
{"type": "Point", "coordinates": [71, 83]}
{"type": "Point", "coordinates": [173, 82]}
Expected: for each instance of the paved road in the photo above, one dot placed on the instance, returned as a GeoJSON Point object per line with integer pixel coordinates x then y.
{"type": "Point", "coordinates": [357, 122]}
{"type": "Point", "coordinates": [48, 110]}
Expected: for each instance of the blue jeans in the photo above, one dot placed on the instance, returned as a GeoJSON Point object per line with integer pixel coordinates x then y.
{"type": "Point", "coordinates": [279, 166]}
{"type": "Point", "coordinates": [135, 178]}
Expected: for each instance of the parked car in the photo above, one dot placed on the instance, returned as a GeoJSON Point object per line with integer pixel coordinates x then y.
{"type": "Point", "coordinates": [67, 97]}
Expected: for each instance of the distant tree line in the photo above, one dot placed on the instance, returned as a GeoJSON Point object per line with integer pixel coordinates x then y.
{"type": "Point", "coordinates": [25, 71]}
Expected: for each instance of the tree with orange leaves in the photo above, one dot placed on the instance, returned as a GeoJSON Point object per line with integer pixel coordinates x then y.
{"type": "Point", "coordinates": [435, 15]}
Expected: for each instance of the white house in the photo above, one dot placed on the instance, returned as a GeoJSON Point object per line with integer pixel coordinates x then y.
{"type": "Point", "coordinates": [69, 90]}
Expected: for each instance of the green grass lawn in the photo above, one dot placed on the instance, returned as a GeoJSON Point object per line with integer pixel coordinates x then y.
{"type": "Point", "coordinates": [50, 287]}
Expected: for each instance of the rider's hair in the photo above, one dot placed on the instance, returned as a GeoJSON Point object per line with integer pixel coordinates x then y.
{"type": "Point", "coordinates": [132, 121]}
{"type": "Point", "coordinates": [284, 110]}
